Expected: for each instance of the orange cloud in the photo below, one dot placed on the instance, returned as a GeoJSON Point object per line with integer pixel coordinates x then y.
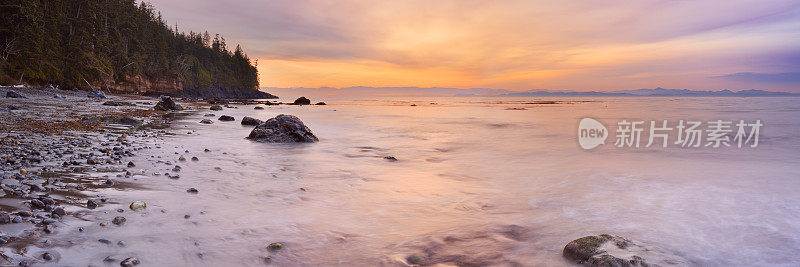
{"type": "Point", "coordinates": [514, 44]}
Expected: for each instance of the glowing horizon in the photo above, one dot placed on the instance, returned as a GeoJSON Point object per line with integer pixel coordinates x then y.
{"type": "Point", "coordinates": [513, 45]}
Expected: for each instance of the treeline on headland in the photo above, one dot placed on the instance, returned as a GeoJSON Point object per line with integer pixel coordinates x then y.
{"type": "Point", "coordinates": [117, 45]}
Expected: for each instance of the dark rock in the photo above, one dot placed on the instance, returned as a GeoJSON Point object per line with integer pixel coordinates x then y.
{"type": "Point", "coordinates": [47, 256]}
{"type": "Point", "coordinates": [118, 103]}
{"type": "Point", "coordinates": [251, 121]}
{"type": "Point", "coordinates": [14, 94]}
{"type": "Point", "coordinates": [320, 104]}
{"type": "Point", "coordinates": [119, 220]}
{"type": "Point", "coordinates": [611, 250]}
{"type": "Point", "coordinates": [195, 159]}
{"type": "Point", "coordinates": [258, 107]}
{"type": "Point", "coordinates": [104, 241]}
{"type": "Point", "coordinates": [192, 190]}
{"type": "Point", "coordinates": [37, 204]}
{"type": "Point", "coordinates": [206, 121]}
{"type": "Point", "coordinates": [302, 101]}
{"type": "Point", "coordinates": [166, 104]}
{"type": "Point", "coordinates": [216, 107]}
{"type": "Point", "coordinates": [416, 259]}
{"type": "Point", "coordinates": [131, 164]}
{"type": "Point", "coordinates": [59, 211]}
{"type": "Point", "coordinates": [37, 188]}
{"type": "Point", "coordinates": [5, 218]}
{"type": "Point", "coordinates": [283, 129]}
{"type": "Point", "coordinates": [96, 94]}
{"type": "Point", "coordinates": [47, 200]}
{"type": "Point", "coordinates": [275, 246]}
{"type": "Point", "coordinates": [209, 115]}
{"type": "Point", "coordinates": [390, 158]}
{"type": "Point", "coordinates": [130, 121]}
{"type": "Point", "coordinates": [226, 118]}
{"type": "Point", "coordinates": [91, 204]}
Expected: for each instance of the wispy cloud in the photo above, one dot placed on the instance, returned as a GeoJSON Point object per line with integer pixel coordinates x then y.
{"type": "Point", "coordinates": [762, 78]}
{"type": "Point", "coordinates": [513, 44]}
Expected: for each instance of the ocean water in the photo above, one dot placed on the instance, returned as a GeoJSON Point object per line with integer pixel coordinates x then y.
{"type": "Point", "coordinates": [486, 181]}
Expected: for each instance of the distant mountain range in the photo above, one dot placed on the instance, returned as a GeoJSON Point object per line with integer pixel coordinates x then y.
{"type": "Point", "coordinates": [647, 92]}
{"type": "Point", "coordinates": [365, 91]}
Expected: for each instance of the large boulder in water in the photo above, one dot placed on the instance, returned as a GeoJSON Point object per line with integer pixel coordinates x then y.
{"type": "Point", "coordinates": [166, 104]}
{"type": "Point", "coordinates": [283, 129]}
{"type": "Point", "coordinates": [302, 101]}
{"type": "Point", "coordinates": [612, 250]}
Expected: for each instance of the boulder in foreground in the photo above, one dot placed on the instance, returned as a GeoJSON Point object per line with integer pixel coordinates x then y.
{"type": "Point", "coordinates": [166, 104]}
{"type": "Point", "coordinates": [283, 129]}
{"type": "Point", "coordinates": [612, 250]}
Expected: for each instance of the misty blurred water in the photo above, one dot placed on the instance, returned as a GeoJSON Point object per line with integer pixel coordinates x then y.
{"type": "Point", "coordinates": [512, 184]}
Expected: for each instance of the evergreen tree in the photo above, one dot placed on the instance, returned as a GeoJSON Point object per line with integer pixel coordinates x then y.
{"type": "Point", "coordinates": [73, 43]}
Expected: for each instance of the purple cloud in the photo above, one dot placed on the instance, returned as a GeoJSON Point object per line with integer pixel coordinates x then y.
{"type": "Point", "coordinates": [752, 77]}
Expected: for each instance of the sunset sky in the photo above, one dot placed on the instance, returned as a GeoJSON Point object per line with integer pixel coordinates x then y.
{"type": "Point", "coordinates": [513, 45]}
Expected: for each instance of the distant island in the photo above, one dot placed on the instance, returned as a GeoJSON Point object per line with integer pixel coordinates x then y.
{"type": "Point", "coordinates": [657, 92]}
{"type": "Point", "coordinates": [118, 46]}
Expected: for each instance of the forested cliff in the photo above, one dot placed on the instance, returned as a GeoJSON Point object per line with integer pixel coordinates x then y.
{"type": "Point", "coordinates": [117, 45]}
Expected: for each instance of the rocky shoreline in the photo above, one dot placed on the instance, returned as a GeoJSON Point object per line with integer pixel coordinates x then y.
{"type": "Point", "coordinates": [57, 148]}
